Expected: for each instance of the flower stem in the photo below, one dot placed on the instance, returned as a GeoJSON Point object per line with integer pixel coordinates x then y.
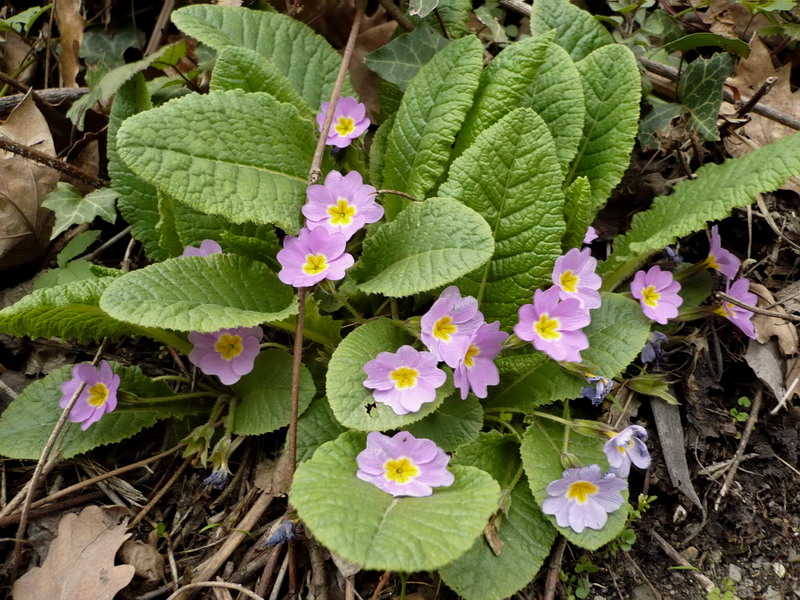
{"type": "Point", "coordinates": [567, 428]}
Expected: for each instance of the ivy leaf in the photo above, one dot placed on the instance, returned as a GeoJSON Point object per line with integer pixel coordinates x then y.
{"type": "Point", "coordinates": [72, 208]}
{"type": "Point", "coordinates": [454, 423]}
{"type": "Point", "coordinates": [401, 59]}
{"type": "Point", "coordinates": [316, 426]}
{"type": "Point", "coordinates": [578, 32]}
{"type": "Point", "coordinates": [387, 533]}
{"type": "Point", "coordinates": [430, 244]}
{"type": "Point", "coordinates": [199, 294]}
{"type": "Point", "coordinates": [657, 120]}
{"type": "Point", "coordinates": [422, 8]}
{"type": "Point", "coordinates": [700, 91]}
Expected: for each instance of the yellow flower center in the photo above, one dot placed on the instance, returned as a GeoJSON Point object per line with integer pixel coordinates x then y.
{"type": "Point", "coordinates": [547, 328]}
{"type": "Point", "coordinates": [401, 470]}
{"type": "Point", "coordinates": [444, 328]}
{"type": "Point", "coordinates": [650, 296]}
{"type": "Point", "coordinates": [315, 264]}
{"type": "Point", "coordinates": [472, 352]}
{"type": "Point", "coordinates": [711, 262]}
{"type": "Point", "coordinates": [581, 490]}
{"type": "Point", "coordinates": [404, 377]}
{"type": "Point", "coordinates": [342, 213]}
{"type": "Point", "coordinates": [625, 447]}
{"type": "Point", "coordinates": [724, 310]}
{"type": "Point", "coordinates": [345, 126]}
{"type": "Point", "coordinates": [229, 346]}
{"type": "Point", "coordinates": [568, 282]}
{"type": "Point", "coordinates": [98, 394]}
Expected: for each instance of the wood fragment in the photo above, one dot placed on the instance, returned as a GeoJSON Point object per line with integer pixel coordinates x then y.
{"type": "Point", "coordinates": [707, 584]}
{"type": "Point", "coordinates": [554, 568]}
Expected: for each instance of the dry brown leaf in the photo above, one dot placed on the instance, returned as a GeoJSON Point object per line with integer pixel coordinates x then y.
{"type": "Point", "coordinates": [70, 24]}
{"type": "Point", "coordinates": [274, 476]}
{"type": "Point", "coordinates": [80, 562]}
{"type": "Point", "coordinates": [728, 18]}
{"type": "Point", "coordinates": [87, 161]}
{"type": "Point", "coordinates": [768, 327]}
{"type": "Point", "coordinates": [145, 558]}
{"type": "Point", "coordinates": [767, 363]}
{"type": "Point", "coordinates": [24, 224]}
{"type": "Point", "coordinates": [14, 52]}
{"type": "Point", "coordinates": [792, 379]}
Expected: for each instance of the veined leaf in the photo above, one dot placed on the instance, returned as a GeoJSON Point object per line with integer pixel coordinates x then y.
{"type": "Point", "coordinates": [205, 151]}
{"type": "Point", "coordinates": [455, 16]}
{"type": "Point", "coordinates": [72, 208]}
{"type": "Point", "coordinates": [377, 153]}
{"type": "Point", "coordinates": [430, 244]}
{"type": "Point", "coordinates": [304, 57]}
{"type": "Point", "coordinates": [399, 534]}
{"type": "Point", "coordinates": [716, 191]}
{"type": "Point", "coordinates": [401, 59]}
{"type": "Point", "coordinates": [454, 423]}
{"type": "Point", "coordinates": [511, 176]}
{"type": "Point", "coordinates": [700, 91]}
{"type": "Point", "coordinates": [200, 294]}
{"type": "Point", "coordinates": [531, 380]}
{"type": "Point", "coordinates": [316, 426]}
{"type": "Point", "coordinates": [579, 33]}
{"type": "Point", "coordinates": [578, 213]}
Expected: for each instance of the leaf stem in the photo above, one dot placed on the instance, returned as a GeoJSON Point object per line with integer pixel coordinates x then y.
{"type": "Point", "coordinates": [297, 361]}
{"type": "Point", "coordinates": [567, 427]}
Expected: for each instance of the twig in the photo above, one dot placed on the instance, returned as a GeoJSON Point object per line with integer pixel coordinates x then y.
{"type": "Point", "coordinates": [381, 584]}
{"type": "Point", "coordinates": [297, 360]}
{"type": "Point", "coordinates": [216, 584]}
{"type": "Point", "coordinates": [737, 458]}
{"type": "Point", "coordinates": [66, 504]}
{"type": "Point", "coordinates": [158, 28]}
{"type": "Point", "coordinates": [48, 110]}
{"type": "Point", "coordinates": [55, 95]}
{"type": "Point", "coordinates": [269, 568]}
{"type": "Point", "coordinates": [554, 568]}
{"type": "Point", "coordinates": [160, 493]}
{"type": "Point", "coordinates": [276, 589]}
{"type": "Point", "coordinates": [782, 402]}
{"type": "Point", "coordinates": [763, 206]}
{"type": "Point", "coordinates": [107, 243]}
{"type": "Point", "coordinates": [397, 15]}
{"type": "Point", "coordinates": [760, 93]}
{"type": "Point", "coordinates": [442, 26]}
{"type": "Point", "coordinates": [319, 585]}
{"type": "Point", "coordinates": [17, 500]}
{"type": "Point", "coordinates": [676, 556]}
{"type": "Point", "coordinates": [266, 563]}
{"type": "Point", "coordinates": [397, 193]}
{"type": "Point", "coordinates": [756, 309]}
{"type": "Point", "coordinates": [54, 163]}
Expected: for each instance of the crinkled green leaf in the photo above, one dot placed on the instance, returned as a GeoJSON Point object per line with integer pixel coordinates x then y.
{"type": "Point", "coordinates": [716, 191]}
{"type": "Point", "coordinates": [455, 16]}
{"type": "Point", "coordinates": [531, 380]}
{"type": "Point", "coordinates": [510, 175]}
{"type": "Point", "coordinates": [351, 402]}
{"type": "Point", "coordinates": [430, 244]}
{"type": "Point", "coordinates": [316, 426]}
{"type": "Point", "coordinates": [700, 92]}
{"type": "Point", "coordinates": [304, 57]}
{"type": "Point", "coordinates": [430, 115]}
{"type": "Point", "coordinates": [265, 399]}
{"type": "Point", "coordinates": [317, 326]}
{"type": "Point", "coordinates": [579, 33]}
{"type": "Point", "coordinates": [401, 59]}
{"type": "Point", "coordinates": [494, 452]}
{"type": "Point", "coordinates": [454, 423]}
{"type": "Point", "coordinates": [616, 335]}
{"type": "Point", "coordinates": [72, 208]}
{"type": "Point", "coordinates": [367, 526]}
{"type": "Point", "coordinates": [541, 456]}
{"type": "Point", "coordinates": [612, 92]}
{"type": "Point", "coordinates": [578, 213]}
{"type": "Point", "coordinates": [377, 152]}
{"type": "Point", "coordinates": [200, 294]}
{"type": "Point", "coordinates": [205, 150]}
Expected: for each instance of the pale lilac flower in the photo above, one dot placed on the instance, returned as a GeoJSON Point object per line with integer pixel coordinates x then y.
{"type": "Point", "coordinates": [583, 498]}
{"type": "Point", "coordinates": [403, 465]}
{"type": "Point", "coordinates": [344, 204]}
{"type": "Point", "coordinates": [657, 292]}
{"type": "Point", "coordinates": [349, 121]}
{"type": "Point", "coordinates": [449, 324]}
{"type": "Point", "coordinates": [652, 351]}
{"type": "Point", "coordinates": [627, 447]}
{"type": "Point", "coordinates": [574, 277]}
{"type": "Point", "coordinates": [597, 390]}
{"type": "Point", "coordinates": [741, 317]}
{"type": "Point", "coordinates": [207, 248]}
{"type": "Point", "coordinates": [228, 353]}
{"type": "Point", "coordinates": [554, 326]}
{"type": "Point", "coordinates": [721, 259]}
{"type": "Point", "coordinates": [477, 369]}
{"type": "Point", "coordinates": [313, 256]}
{"type": "Point", "coordinates": [591, 235]}
{"type": "Point", "coordinates": [404, 380]}
{"type": "Point", "coordinates": [98, 397]}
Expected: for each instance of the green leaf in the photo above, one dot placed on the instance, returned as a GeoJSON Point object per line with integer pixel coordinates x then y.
{"type": "Point", "coordinates": [387, 533]}
{"type": "Point", "coordinates": [455, 16]}
{"type": "Point", "coordinates": [430, 115]}
{"type": "Point", "coordinates": [578, 213]}
{"type": "Point", "coordinates": [716, 191]}
{"type": "Point", "coordinates": [531, 380]}
{"type": "Point", "coordinates": [454, 423]}
{"type": "Point", "coordinates": [704, 40]}
{"type": "Point", "coordinates": [22, 22]}
{"type": "Point", "coordinates": [351, 402]}
{"type": "Point", "coordinates": [304, 57]}
{"type": "Point", "coordinates": [696, 288]}
{"type": "Point", "coordinates": [377, 152]}
{"type": "Point", "coordinates": [612, 91]}
{"type": "Point", "coordinates": [658, 119]}
{"type": "Point", "coordinates": [101, 47]}
{"type": "Point", "coordinates": [401, 59]}
{"type": "Point", "coordinates": [430, 244]}
{"type": "Point", "coordinates": [76, 270]}
{"type": "Point", "coordinates": [265, 394]}
{"type": "Point", "coordinates": [168, 237]}
{"type": "Point", "coordinates": [77, 246]}
{"type": "Point", "coordinates": [27, 423]}
{"type": "Point", "coordinates": [316, 426]}
{"type": "Point", "coordinates": [71, 208]}
{"type": "Point", "coordinates": [700, 91]}
{"type": "Point", "coordinates": [200, 294]}
{"type": "Point", "coordinates": [541, 456]}
{"type": "Point", "coordinates": [510, 175]}
{"type": "Point", "coordinates": [422, 8]}
{"type": "Point", "coordinates": [192, 148]}
{"type": "Point", "coordinates": [317, 327]}
{"type": "Point", "coordinates": [616, 335]}
{"type": "Point", "coordinates": [578, 32]}
{"type": "Point", "coordinates": [494, 452]}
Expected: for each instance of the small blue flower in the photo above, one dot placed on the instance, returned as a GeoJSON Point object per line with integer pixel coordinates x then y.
{"type": "Point", "coordinates": [652, 352]}
{"type": "Point", "coordinates": [676, 258]}
{"type": "Point", "coordinates": [597, 392]}
{"type": "Point", "coordinates": [218, 478]}
{"type": "Point", "coordinates": [283, 534]}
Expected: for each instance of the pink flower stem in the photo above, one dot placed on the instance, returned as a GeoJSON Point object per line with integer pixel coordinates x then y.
{"type": "Point", "coordinates": [297, 361]}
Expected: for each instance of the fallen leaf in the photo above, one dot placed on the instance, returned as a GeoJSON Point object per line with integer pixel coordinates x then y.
{"type": "Point", "coordinates": [145, 558]}
{"type": "Point", "coordinates": [80, 562]}
{"type": "Point", "coordinates": [792, 378]}
{"type": "Point", "coordinates": [766, 362]}
{"type": "Point", "coordinates": [274, 476]}
{"type": "Point", "coordinates": [70, 25]}
{"type": "Point", "coordinates": [15, 53]}
{"type": "Point", "coordinates": [769, 327]}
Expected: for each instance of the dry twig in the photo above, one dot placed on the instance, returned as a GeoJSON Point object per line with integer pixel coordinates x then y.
{"type": "Point", "coordinates": [24, 151]}
{"type": "Point", "coordinates": [554, 568]}
{"type": "Point", "coordinates": [707, 584]}
{"type": "Point", "coordinates": [737, 458]}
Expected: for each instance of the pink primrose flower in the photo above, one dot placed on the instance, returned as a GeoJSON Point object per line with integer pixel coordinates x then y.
{"type": "Point", "coordinates": [97, 398]}
{"type": "Point", "coordinates": [741, 317]}
{"type": "Point", "coordinates": [313, 256]}
{"type": "Point", "coordinates": [574, 277]}
{"type": "Point", "coordinates": [403, 465]}
{"type": "Point", "coordinates": [627, 447]}
{"type": "Point", "coordinates": [344, 204]}
{"type": "Point", "coordinates": [404, 380]}
{"type": "Point", "coordinates": [349, 121]}
{"type": "Point", "coordinates": [449, 324]}
{"type": "Point", "coordinates": [228, 353]}
{"type": "Point", "coordinates": [477, 370]}
{"type": "Point", "coordinates": [583, 498]}
{"type": "Point", "coordinates": [721, 259]}
{"type": "Point", "coordinates": [554, 326]}
{"type": "Point", "coordinates": [657, 292]}
{"type": "Point", "coordinates": [207, 248]}
{"type": "Point", "coordinates": [591, 235]}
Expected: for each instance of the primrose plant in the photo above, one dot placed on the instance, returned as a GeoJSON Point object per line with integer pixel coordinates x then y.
{"type": "Point", "coordinates": [454, 335]}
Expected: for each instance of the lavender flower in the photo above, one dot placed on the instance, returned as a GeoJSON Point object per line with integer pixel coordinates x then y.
{"type": "Point", "coordinates": [313, 256]}
{"type": "Point", "coordinates": [97, 398]}
{"type": "Point", "coordinates": [721, 259]}
{"type": "Point", "coordinates": [652, 351]}
{"type": "Point", "coordinates": [349, 121]}
{"type": "Point", "coordinates": [228, 353]}
{"type": "Point", "coordinates": [583, 498]}
{"type": "Point", "coordinates": [598, 390]}
{"type": "Point", "coordinates": [342, 205]}
{"type": "Point", "coordinates": [403, 465]}
{"type": "Point", "coordinates": [449, 325]}
{"type": "Point", "coordinates": [284, 533]}
{"type": "Point", "coordinates": [404, 380]}
{"type": "Point", "coordinates": [218, 478]}
{"type": "Point", "coordinates": [741, 317]}
{"type": "Point", "coordinates": [574, 277]}
{"type": "Point", "coordinates": [554, 327]}
{"type": "Point", "coordinates": [627, 447]}
{"type": "Point", "coordinates": [477, 369]}
{"type": "Point", "coordinates": [207, 248]}
{"type": "Point", "coordinates": [591, 235]}
{"type": "Point", "coordinates": [657, 293]}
